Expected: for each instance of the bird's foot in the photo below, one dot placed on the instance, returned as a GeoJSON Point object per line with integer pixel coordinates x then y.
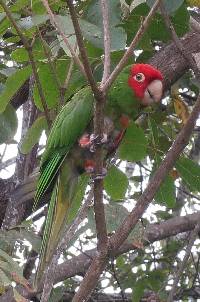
{"type": "Point", "coordinates": [91, 141]}
{"type": "Point", "coordinates": [96, 140]}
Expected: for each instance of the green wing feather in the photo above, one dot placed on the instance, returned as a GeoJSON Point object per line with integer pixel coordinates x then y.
{"type": "Point", "coordinates": [56, 166]}
{"type": "Point", "coordinates": [67, 128]}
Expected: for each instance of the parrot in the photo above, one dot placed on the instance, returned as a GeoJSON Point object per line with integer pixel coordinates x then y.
{"type": "Point", "coordinates": [68, 151]}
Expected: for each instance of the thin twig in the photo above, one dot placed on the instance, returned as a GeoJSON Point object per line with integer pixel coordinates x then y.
{"type": "Point", "coordinates": [85, 60]}
{"type": "Point", "coordinates": [193, 237]}
{"type": "Point", "coordinates": [114, 273]}
{"type": "Point", "coordinates": [105, 15]}
{"type": "Point", "coordinates": [31, 58]}
{"type": "Point", "coordinates": [129, 51]}
{"type": "Point", "coordinates": [56, 24]}
{"type": "Point", "coordinates": [7, 163]}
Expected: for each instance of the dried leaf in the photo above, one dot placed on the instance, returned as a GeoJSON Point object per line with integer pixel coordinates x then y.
{"type": "Point", "coordinates": [181, 109]}
{"type": "Point", "coordinates": [174, 174]}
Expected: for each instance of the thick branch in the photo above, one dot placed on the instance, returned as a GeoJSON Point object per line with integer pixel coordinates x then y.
{"type": "Point", "coordinates": [170, 61]}
{"type": "Point", "coordinates": [177, 41]}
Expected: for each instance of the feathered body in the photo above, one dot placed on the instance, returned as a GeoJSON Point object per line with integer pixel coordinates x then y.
{"type": "Point", "coordinates": [65, 158]}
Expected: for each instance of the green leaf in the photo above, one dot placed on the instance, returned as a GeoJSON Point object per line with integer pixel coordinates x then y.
{"type": "Point", "coordinates": [19, 4]}
{"type": "Point", "coordinates": [118, 34]}
{"type": "Point", "coordinates": [57, 294]}
{"type": "Point", "coordinates": [134, 144]}
{"type": "Point", "coordinates": [29, 22]}
{"type": "Point", "coordinates": [21, 54]}
{"type": "Point", "coordinates": [115, 213]}
{"type": "Point", "coordinates": [116, 183]}
{"type": "Point", "coordinates": [13, 265]}
{"type": "Point", "coordinates": [133, 23]}
{"type": "Point", "coordinates": [153, 127]}
{"type": "Point", "coordinates": [4, 278]}
{"type": "Point", "coordinates": [4, 23]}
{"type": "Point", "coordinates": [33, 134]}
{"type": "Point", "coordinates": [13, 83]}
{"type": "Point", "coordinates": [171, 6]}
{"type": "Point", "coordinates": [90, 31]}
{"type": "Point", "coordinates": [72, 41]}
{"type": "Point", "coordinates": [189, 172]}
{"type": "Point", "coordinates": [8, 124]}
{"type": "Point", "coordinates": [180, 20]}
{"type": "Point", "coordinates": [136, 3]}
{"type": "Point", "coordinates": [138, 289]}
{"type": "Point", "coordinates": [49, 85]}
{"type": "Point", "coordinates": [166, 193]}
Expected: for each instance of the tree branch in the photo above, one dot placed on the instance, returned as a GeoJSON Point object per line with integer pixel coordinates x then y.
{"type": "Point", "coordinates": [105, 15]}
{"type": "Point", "coordinates": [177, 41]}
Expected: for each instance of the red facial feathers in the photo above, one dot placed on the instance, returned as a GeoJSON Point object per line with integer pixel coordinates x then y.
{"type": "Point", "coordinates": [142, 75]}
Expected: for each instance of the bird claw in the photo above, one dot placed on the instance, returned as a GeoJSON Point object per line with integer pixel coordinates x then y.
{"type": "Point", "coordinates": [92, 141]}
{"type": "Point", "coordinates": [97, 140]}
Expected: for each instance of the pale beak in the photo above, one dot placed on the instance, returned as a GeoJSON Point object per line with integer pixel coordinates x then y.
{"type": "Point", "coordinates": [153, 93]}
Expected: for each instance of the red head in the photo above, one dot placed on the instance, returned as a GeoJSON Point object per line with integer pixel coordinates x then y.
{"type": "Point", "coordinates": [146, 82]}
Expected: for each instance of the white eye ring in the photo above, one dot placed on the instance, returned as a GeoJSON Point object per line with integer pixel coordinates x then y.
{"type": "Point", "coordinates": [139, 77]}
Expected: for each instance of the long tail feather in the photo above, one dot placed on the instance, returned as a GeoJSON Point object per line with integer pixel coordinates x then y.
{"type": "Point", "coordinates": [58, 210]}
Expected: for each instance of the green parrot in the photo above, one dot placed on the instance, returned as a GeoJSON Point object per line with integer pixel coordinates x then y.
{"type": "Point", "coordinates": [65, 158]}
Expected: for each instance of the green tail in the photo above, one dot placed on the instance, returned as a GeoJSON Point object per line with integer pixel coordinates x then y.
{"type": "Point", "coordinates": [62, 196]}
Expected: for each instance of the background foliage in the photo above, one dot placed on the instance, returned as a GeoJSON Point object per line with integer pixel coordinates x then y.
{"type": "Point", "coordinates": [148, 268]}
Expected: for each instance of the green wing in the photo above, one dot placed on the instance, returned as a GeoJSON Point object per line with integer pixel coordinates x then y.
{"type": "Point", "coordinates": [67, 128]}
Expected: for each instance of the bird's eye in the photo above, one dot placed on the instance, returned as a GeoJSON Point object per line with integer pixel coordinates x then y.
{"type": "Point", "coordinates": [139, 77]}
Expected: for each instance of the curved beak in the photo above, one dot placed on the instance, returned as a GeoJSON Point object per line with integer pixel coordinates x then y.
{"type": "Point", "coordinates": [153, 93]}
